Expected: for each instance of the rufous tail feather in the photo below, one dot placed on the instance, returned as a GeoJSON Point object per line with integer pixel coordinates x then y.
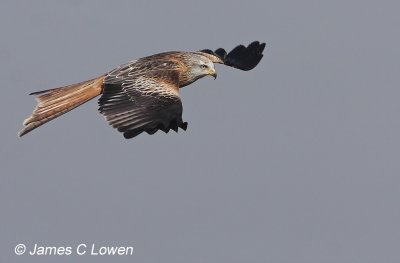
{"type": "Point", "coordinates": [53, 103]}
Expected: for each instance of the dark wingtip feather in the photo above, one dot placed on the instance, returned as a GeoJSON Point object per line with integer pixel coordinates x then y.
{"type": "Point", "coordinates": [132, 133]}
{"type": "Point", "coordinates": [221, 53]}
{"type": "Point", "coordinates": [241, 57]}
{"type": "Point", "coordinates": [183, 126]}
{"type": "Point", "coordinates": [245, 58]}
{"type": "Point", "coordinates": [208, 51]}
{"type": "Point", "coordinates": [151, 131]}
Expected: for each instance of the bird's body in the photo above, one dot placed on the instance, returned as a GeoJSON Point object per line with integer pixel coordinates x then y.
{"type": "Point", "coordinates": [142, 95]}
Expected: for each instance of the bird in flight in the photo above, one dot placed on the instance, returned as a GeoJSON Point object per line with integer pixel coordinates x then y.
{"type": "Point", "coordinates": [142, 95]}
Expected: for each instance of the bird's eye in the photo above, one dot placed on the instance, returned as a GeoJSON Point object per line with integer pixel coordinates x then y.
{"type": "Point", "coordinates": [203, 66]}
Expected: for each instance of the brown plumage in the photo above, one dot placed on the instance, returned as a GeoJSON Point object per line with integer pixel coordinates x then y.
{"type": "Point", "coordinates": [142, 95]}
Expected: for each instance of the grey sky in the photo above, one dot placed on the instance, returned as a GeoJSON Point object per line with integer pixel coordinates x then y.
{"type": "Point", "coordinates": [294, 161]}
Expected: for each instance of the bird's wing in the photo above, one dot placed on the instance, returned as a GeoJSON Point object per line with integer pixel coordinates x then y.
{"type": "Point", "coordinates": [241, 57]}
{"type": "Point", "coordinates": [143, 96]}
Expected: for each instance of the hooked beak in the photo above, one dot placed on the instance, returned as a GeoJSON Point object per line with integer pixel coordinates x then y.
{"type": "Point", "coordinates": [213, 73]}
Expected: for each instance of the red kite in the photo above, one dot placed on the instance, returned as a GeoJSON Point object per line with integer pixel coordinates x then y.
{"type": "Point", "coordinates": [142, 95]}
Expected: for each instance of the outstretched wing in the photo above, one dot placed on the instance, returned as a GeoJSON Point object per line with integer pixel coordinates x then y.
{"type": "Point", "coordinates": [241, 57]}
{"type": "Point", "coordinates": [143, 96]}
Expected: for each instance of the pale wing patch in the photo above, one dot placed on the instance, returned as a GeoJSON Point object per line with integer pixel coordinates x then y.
{"type": "Point", "coordinates": [137, 100]}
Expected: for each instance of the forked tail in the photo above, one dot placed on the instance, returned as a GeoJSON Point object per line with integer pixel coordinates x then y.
{"type": "Point", "coordinates": [55, 102]}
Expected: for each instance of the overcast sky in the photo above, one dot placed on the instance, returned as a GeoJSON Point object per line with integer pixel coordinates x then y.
{"type": "Point", "coordinates": [294, 161]}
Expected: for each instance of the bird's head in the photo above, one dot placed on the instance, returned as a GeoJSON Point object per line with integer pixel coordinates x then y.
{"type": "Point", "coordinates": [197, 66]}
{"type": "Point", "coordinates": [202, 66]}
{"type": "Point", "coordinates": [205, 67]}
